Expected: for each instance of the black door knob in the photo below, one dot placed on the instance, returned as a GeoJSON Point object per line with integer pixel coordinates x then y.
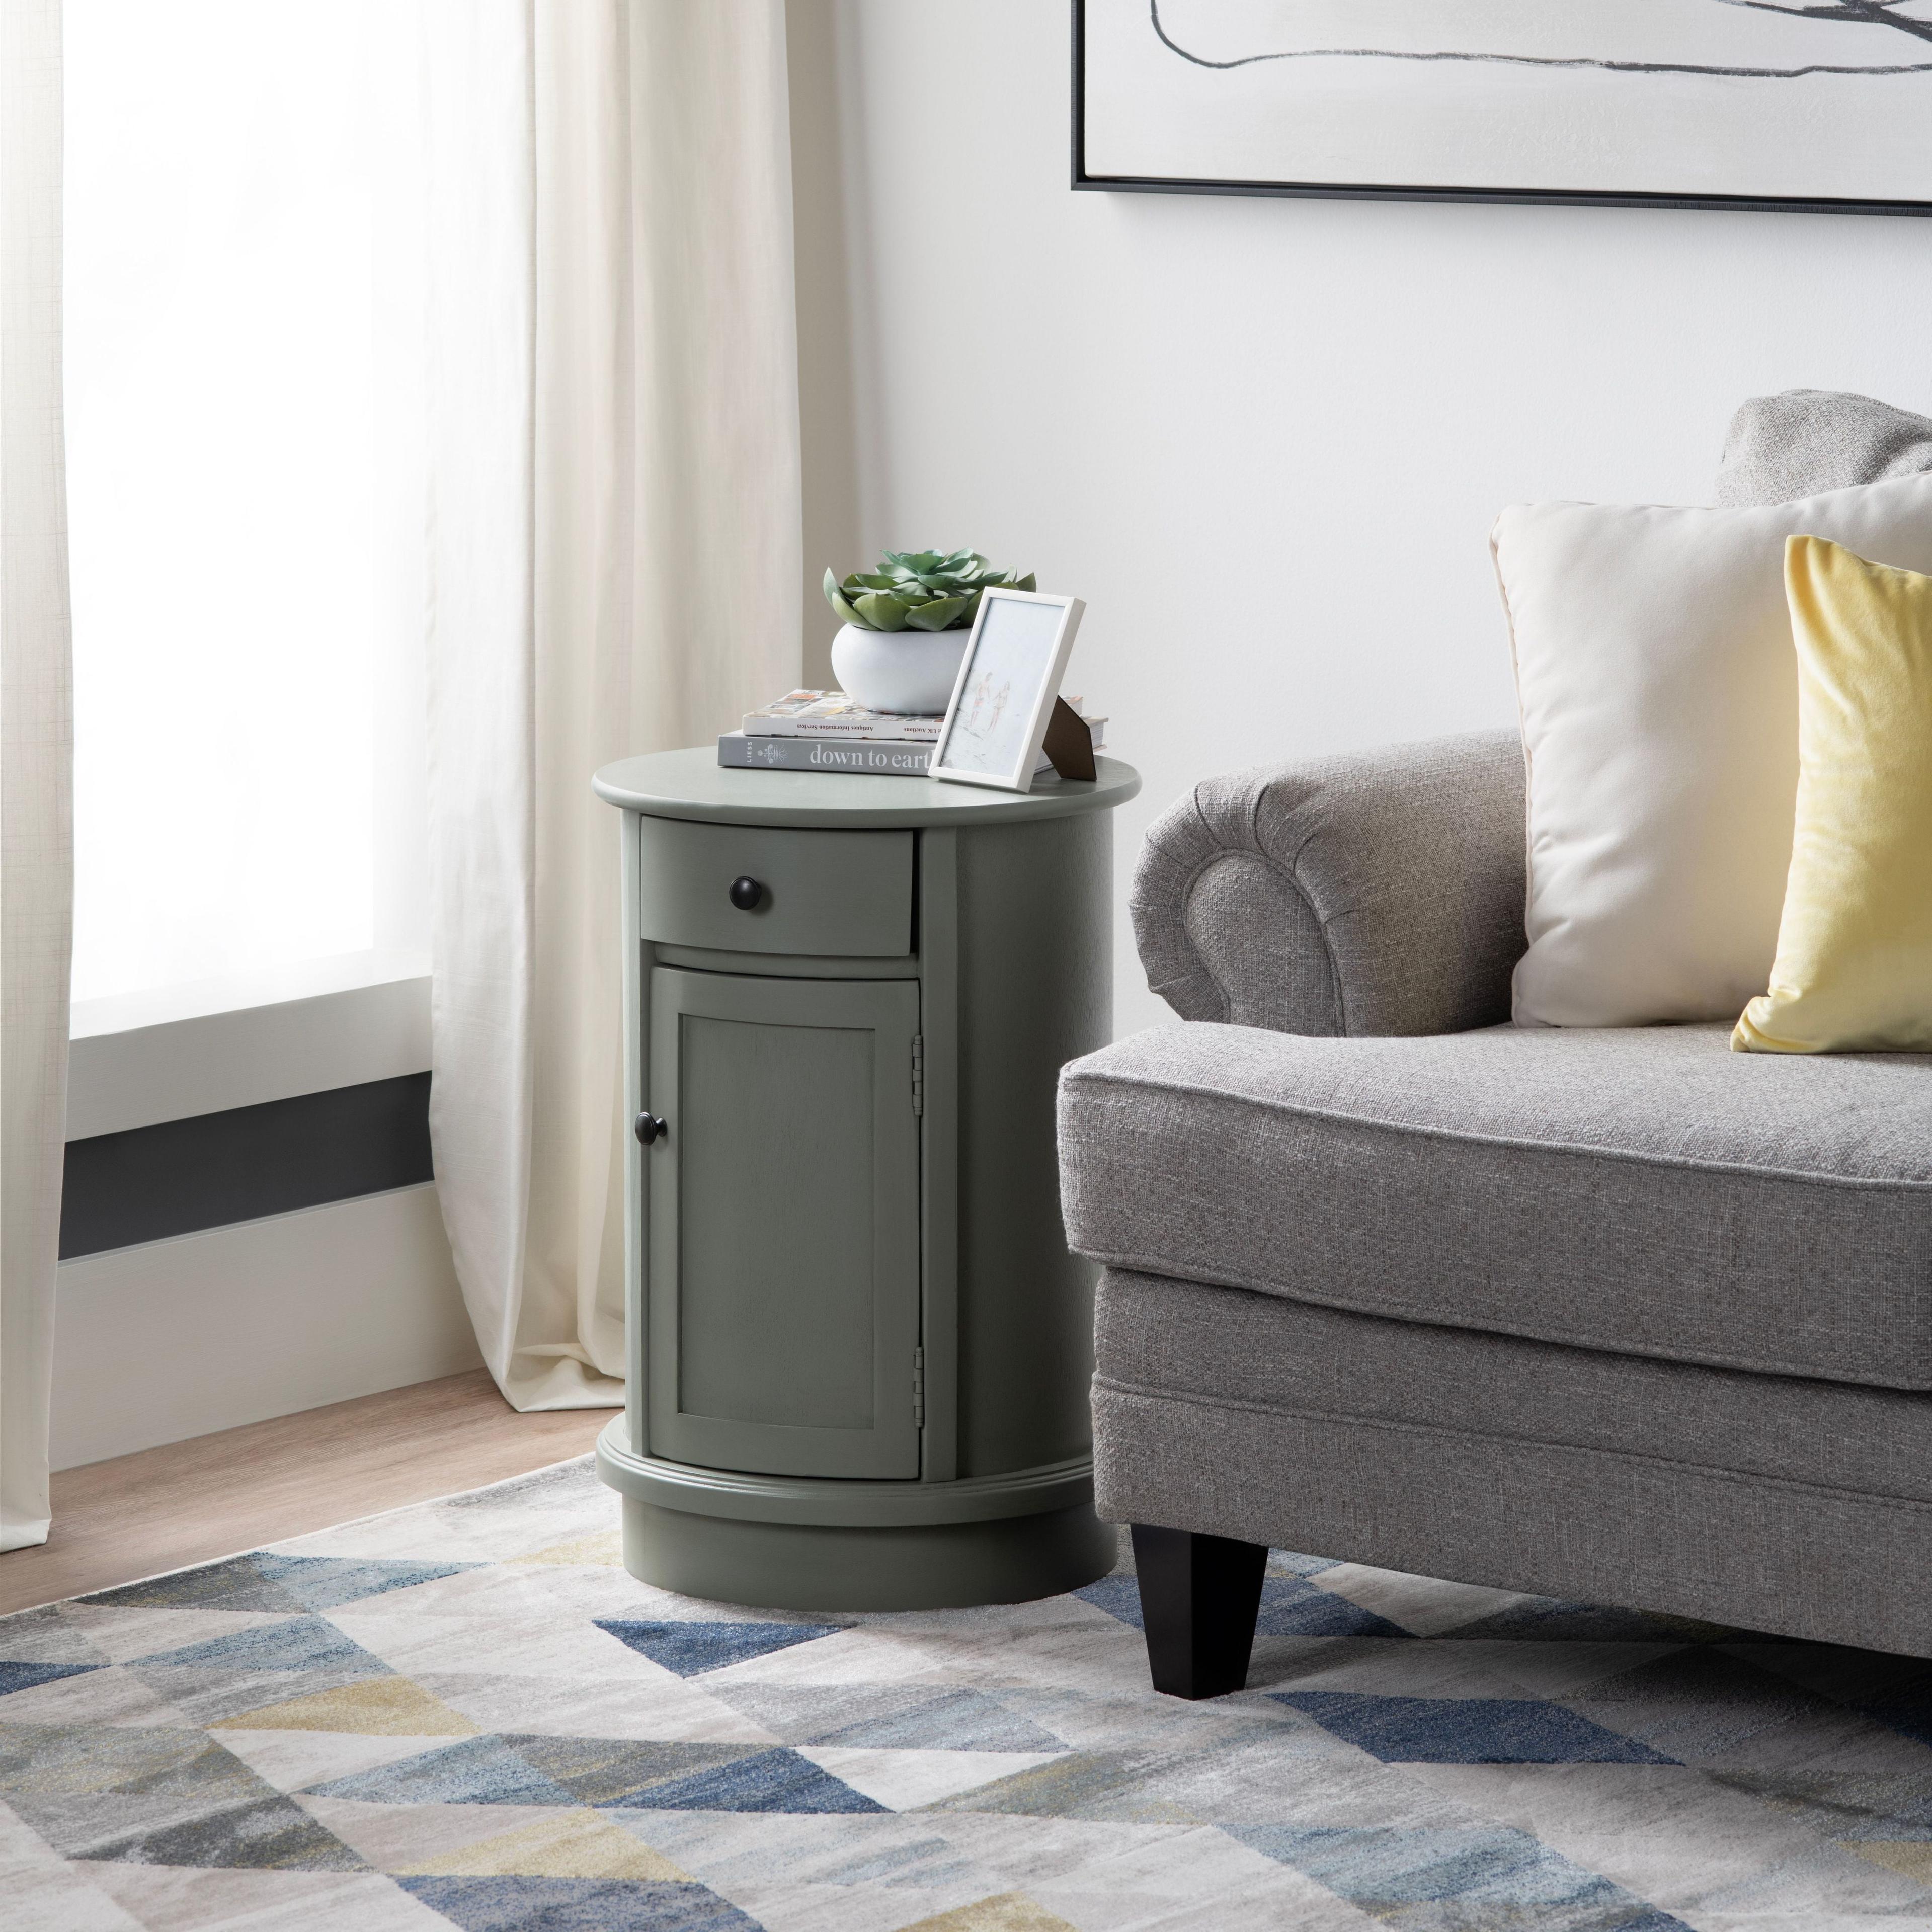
{"type": "Point", "coordinates": [650, 1127]}
{"type": "Point", "coordinates": [746, 892]}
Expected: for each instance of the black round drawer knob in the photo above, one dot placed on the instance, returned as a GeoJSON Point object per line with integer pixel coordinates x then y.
{"type": "Point", "coordinates": [746, 893]}
{"type": "Point", "coordinates": [651, 1127]}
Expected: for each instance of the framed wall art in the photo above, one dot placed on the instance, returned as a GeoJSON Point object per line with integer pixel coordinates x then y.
{"type": "Point", "coordinates": [1824, 105]}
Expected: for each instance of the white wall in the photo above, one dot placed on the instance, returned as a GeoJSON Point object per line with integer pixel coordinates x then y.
{"type": "Point", "coordinates": [173, 1339]}
{"type": "Point", "coordinates": [1265, 439]}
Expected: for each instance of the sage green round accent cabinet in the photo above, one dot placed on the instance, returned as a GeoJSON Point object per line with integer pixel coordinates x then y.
{"type": "Point", "coordinates": [858, 1349]}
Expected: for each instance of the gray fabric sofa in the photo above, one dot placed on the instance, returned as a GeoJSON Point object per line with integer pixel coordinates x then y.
{"type": "Point", "coordinates": [1618, 1316]}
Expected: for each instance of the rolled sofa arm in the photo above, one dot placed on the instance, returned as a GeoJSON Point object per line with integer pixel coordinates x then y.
{"type": "Point", "coordinates": [1380, 892]}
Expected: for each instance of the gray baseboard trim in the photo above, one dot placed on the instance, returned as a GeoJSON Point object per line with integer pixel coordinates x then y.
{"type": "Point", "coordinates": [180, 1177]}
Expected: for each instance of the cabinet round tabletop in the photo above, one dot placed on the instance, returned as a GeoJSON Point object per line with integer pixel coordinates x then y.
{"type": "Point", "coordinates": [692, 784]}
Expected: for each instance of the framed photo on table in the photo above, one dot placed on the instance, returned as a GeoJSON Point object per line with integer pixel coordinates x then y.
{"type": "Point", "coordinates": [1004, 693]}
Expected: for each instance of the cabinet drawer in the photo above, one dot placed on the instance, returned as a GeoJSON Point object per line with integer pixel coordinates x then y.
{"type": "Point", "coordinates": [846, 895]}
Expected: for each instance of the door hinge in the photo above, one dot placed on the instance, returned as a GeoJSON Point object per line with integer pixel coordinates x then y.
{"type": "Point", "coordinates": [919, 1388]}
{"type": "Point", "coordinates": [918, 1073]}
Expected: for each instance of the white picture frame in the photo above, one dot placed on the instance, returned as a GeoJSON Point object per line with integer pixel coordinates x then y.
{"type": "Point", "coordinates": [1004, 693]}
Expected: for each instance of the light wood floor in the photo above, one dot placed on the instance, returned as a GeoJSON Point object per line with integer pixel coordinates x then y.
{"type": "Point", "coordinates": [189, 1501]}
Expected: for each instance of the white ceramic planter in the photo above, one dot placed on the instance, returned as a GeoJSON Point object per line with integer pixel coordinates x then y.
{"type": "Point", "coordinates": [908, 672]}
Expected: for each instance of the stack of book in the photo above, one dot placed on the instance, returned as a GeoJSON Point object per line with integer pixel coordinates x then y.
{"type": "Point", "coordinates": [826, 731]}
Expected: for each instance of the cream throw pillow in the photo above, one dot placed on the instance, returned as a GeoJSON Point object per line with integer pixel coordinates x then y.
{"type": "Point", "coordinates": [1659, 697]}
{"type": "Point", "coordinates": [1853, 972]}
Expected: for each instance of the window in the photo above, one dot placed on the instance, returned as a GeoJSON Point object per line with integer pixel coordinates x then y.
{"type": "Point", "coordinates": [248, 807]}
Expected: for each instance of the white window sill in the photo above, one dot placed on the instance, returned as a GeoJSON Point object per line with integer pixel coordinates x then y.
{"type": "Point", "coordinates": [142, 1058]}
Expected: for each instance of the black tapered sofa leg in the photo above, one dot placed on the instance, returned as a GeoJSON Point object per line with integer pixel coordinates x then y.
{"type": "Point", "coordinates": [1199, 1597]}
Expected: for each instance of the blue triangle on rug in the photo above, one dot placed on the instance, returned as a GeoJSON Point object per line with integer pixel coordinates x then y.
{"type": "Point", "coordinates": [273, 1834]}
{"type": "Point", "coordinates": [1293, 1607]}
{"type": "Point", "coordinates": [478, 1770]}
{"type": "Point", "coordinates": [324, 1582]}
{"type": "Point", "coordinates": [1466, 1730]}
{"type": "Point", "coordinates": [1489, 1874]}
{"type": "Point", "coordinates": [299, 1643]}
{"type": "Point", "coordinates": [601, 1770]}
{"type": "Point", "coordinates": [1118, 1596]}
{"type": "Point", "coordinates": [235, 1583]}
{"type": "Point", "coordinates": [692, 1649]}
{"type": "Point", "coordinates": [26, 1676]}
{"type": "Point", "coordinates": [773, 1780]}
{"type": "Point", "coordinates": [496, 1904]}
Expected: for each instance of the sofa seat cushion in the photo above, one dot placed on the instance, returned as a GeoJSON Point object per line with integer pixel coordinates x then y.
{"type": "Point", "coordinates": [1641, 1190]}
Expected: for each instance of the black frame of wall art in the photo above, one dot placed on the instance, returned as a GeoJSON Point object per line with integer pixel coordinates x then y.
{"type": "Point", "coordinates": [1363, 191]}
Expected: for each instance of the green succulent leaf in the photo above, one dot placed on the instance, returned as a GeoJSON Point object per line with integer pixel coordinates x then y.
{"type": "Point", "coordinates": [1025, 582]}
{"type": "Point", "coordinates": [881, 612]}
{"type": "Point", "coordinates": [918, 589]}
{"type": "Point", "coordinates": [835, 596]}
{"type": "Point", "coordinates": [938, 615]}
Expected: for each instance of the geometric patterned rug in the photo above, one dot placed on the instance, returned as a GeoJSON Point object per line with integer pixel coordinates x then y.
{"type": "Point", "coordinates": [466, 1714]}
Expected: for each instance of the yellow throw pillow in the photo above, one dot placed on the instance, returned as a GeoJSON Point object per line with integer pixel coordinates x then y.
{"type": "Point", "coordinates": [1853, 972]}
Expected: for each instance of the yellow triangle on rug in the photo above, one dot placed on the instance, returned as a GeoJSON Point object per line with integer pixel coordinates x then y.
{"type": "Point", "coordinates": [604, 1548]}
{"type": "Point", "coordinates": [1007, 1912]}
{"type": "Point", "coordinates": [377, 1707]}
{"type": "Point", "coordinates": [1912, 1856]}
{"type": "Point", "coordinates": [571, 1844]}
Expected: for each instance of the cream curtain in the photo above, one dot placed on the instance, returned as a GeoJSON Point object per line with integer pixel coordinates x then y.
{"type": "Point", "coordinates": [613, 566]}
{"type": "Point", "coordinates": [36, 754]}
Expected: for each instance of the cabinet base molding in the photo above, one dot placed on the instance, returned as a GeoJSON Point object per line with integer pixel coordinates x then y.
{"type": "Point", "coordinates": [777, 1543]}
{"type": "Point", "coordinates": [848, 1502]}
{"type": "Point", "coordinates": [797, 1566]}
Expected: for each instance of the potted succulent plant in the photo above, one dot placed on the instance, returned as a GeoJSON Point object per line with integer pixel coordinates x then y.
{"type": "Point", "coordinates": [906, 625]}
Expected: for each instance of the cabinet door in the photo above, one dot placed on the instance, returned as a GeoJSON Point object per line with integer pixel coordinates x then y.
{"type": "Point", "coordinates": [783, 1204]}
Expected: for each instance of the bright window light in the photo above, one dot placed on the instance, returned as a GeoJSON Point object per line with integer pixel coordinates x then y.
{"type": "Point", "coordinates": [247, 763]}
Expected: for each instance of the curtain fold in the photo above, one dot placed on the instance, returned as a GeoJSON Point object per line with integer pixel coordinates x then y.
{"type": "Point", "coordinates": [36, 754]}
{"type": "Point", "coordinates": [613, 566]}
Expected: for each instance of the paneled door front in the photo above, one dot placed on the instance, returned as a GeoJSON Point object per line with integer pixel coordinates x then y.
{"type": "Point", "coordinates": [783, 1252]}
